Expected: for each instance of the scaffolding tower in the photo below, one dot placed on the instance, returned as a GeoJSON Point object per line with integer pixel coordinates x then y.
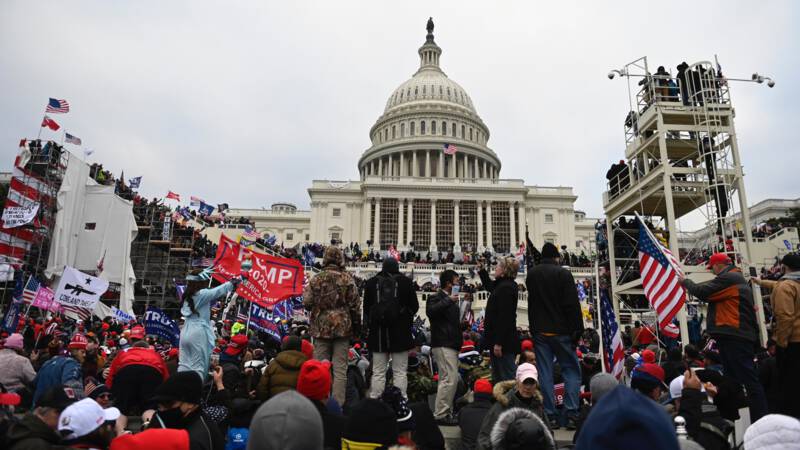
{"type": "Point", "coordinates": [681, 157]}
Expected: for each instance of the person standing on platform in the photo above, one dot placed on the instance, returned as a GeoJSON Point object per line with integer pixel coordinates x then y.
{"type": "Point", "coordinates": [500, 323]}
{"type": "Point", "coordinates": [554, 314]}
{"type": "Point", "coordinates": [443, 312]}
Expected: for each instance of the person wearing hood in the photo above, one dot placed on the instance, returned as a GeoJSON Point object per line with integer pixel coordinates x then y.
{"type": "Point", "coordinates": [523, 392]}
{"type": "Point", "coordinates": [471, 416]}
{"type": "Point", "coordinates": [390, 304]}
{"type": "Point", "coordinates": [314, 382]}
{"type": "Point", "coordinates": [500, 322]}
{"type": "Point", "coordinates": [85, 424]}
{"type": "Point", "coordinates": [332, 299]}
{"type": "Point", "coordinates": [38, 430]}
{"type": "Point", "coordinates": [732, 323]}
{"type": "Point", "coordinates": [178, 401]}
{"type": "Point", "coordinates": [287, 421]}
{"type": "Point", "coordinates": [520, 428]}
{"type": "Point", "coordinates": [626, 419]}
{"type": "Point", "coordinates": [282, 372]}
{"type": "Point", "coordinates": [773, 431]}
{"type": "Point", "coordinates": [785, 302]}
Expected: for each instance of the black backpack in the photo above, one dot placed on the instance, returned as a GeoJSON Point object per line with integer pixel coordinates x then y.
{"type": "Point", "coordinates": [386, 309]}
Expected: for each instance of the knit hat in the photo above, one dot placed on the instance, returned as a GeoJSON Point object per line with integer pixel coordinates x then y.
{"type": "Point", "coordinates": [9, 399]}
{"type": "Point", "coordinates": [773, 431]}
{"type": "Point", "coordinates": [649, 356]}
{"type": "Point", "coordinates": [137, 332]}
{"type": "Point", "coordinates": [791, 260]}
{"type": "Point", "coordinates": [83, 417]}
{"type": "Point", "coordinates": [482, 386]}
{"type": "Point", "coordinates": [650, 372]}
{"type": "Point", "coordinates": [467, 346]}
{"type": "Point", "coordinates": [393, 397]}
{"type": "Point", "coordinates": [371, 421]}
{"type": "Point", "coordinates": [183, 386]}
{"type": "Point", "coordinates": [601, 384]}
{"type": "Point", "coordinates": [237, 345]}
{"type": "Point", "coordinates": [160, 438]}
{"type": "Point", "coordinates": [78, 342]}
{"type": "Point", "coordinates": [314, 380]}
{"type": "Point", "coordinates": [291, 343]}
{"type": "Point", "coordinates": [14, 342]}
{"type": "Point", "coordinates": [527, 344]}
{"type": "Point", "coordinates": [549, 250]}
{"type": "Point", "coordinates": [307, 348]}
{"type": "Point", "coordinates": [287, 421]}
{"type": "Point", "coordinates": [413, 362]}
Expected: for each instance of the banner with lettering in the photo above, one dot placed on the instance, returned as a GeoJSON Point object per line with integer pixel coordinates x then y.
{"type": "Point", "coordinates": [15, 216]}
{"type": "Point", "coordinates": [263, 320]}
{"type": "Point", "coordinates": [271, 279]}
{"type": "Point", "coordinates": [79, 290]}
{"type": "Point", "coordinates": [160, 324]}
{"type": "Point", "coordinates": [121, 315]}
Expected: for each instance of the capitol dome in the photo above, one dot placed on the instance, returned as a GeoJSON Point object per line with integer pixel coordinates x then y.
{"type": "Point", "coordinates": [421, 117]}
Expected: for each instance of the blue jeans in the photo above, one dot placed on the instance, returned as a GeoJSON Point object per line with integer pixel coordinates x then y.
{"type": "Point", "coordinates": [559, 347]}
{"type": "Point", "coordinates": [737, 362]}
{"type": "Point", "coordinates": [503, 368]}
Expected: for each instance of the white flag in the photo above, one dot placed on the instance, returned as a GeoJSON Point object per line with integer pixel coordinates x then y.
{"type": "Point", "coordinates": [15, 216]}
{"type": "Point", "coordinates": [79, 290]}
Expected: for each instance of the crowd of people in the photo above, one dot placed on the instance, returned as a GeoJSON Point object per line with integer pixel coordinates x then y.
{"type": "Point", "coordinates": [362, 370]}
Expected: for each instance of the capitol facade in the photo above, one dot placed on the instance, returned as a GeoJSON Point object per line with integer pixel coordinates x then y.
{"type": "Point", "coordinates": [411, 192]}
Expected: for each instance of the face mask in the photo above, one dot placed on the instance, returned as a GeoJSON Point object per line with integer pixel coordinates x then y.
{"type": "Point", "coordinates": [455, 290]}
{"type": "Point", "coordinates": [170, 418]}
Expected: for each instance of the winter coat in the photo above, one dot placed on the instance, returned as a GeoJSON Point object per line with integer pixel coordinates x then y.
{"type": "Point", "coordinates": [443, 313]}
{"type": "Point", "coordinates": [521, 428]}
{"type": "Point", "coordinates": [731, 312]}
{"type": "Point", "coordinates": [553, 305]}
{"type": "Point", "coordinates": [16, 370]}
{"type": "Point", "coordinates": [703, 421]}
{"type": "Point", "coordinates": [281, 374]}
{"type": "Point", "coordinates": [59, 371]}
{"type": "Point", "coordinates": [332, 298]}
{"type": "Point", "coordinates": [139, 357]}
{"type": "Point", "coordinates": [203, 432]}
{"type": "Point", "coordinates": [470, 419]}
{"type": "Point", "coordinates": [773, 431]}
{"type": "Point", "coordinates": [500, 321]}
{"type": "Point", "coordinates": [31, 433]}
{"type": "Point", "coordinates": [355, 389]}
{"type": "Point", "coordinates": [397, 337]}
{"type": "Point", "coordinates": [332, 427]}
{"type": "Point", "coordinates": [505, 395]}
{"type": "Point", "coordinates": [785, 301]}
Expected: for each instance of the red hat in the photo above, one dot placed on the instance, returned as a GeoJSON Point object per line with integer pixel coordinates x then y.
{"type": "Point", "coordinates": [718, 258]}
{"type": "Point", "coordinates": [105, 326]}
{"type": "Point", "coordinates": [482, 386]}
{"type": "Point", "coordinates": [649, 356]}
{"type": "Point", "coordinates": [161, 438]}
{"type": "Point", "coordinates": [649, 371]}
{"type": "Point", "coordinates": [307, 348]}
{"type": "Point", "coordinates": [527, 344]}
{"type": "Point", "coordinates": [172, 353]}
{"type": "Point", "coordinates": [314, 380]}
{"type": "Point", "coordinates": [137, 332]}
{"type": "Point", "coordinates": [237, 345]}
{"type": "Point", "coordinates": [78, 342]}
{"type": "Point", "coordinates": [467, 346]}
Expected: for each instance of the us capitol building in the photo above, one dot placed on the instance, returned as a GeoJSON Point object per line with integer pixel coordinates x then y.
{"type": "Point", "coordinates": [411, 192]}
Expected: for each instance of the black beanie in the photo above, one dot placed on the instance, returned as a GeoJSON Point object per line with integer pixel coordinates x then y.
{"type": "Point", "coordinates": [549, 251]}
{"type": "Point", "coordinates": [372, 421]}
{"type": "Point", "coordinates": [292, 343]}
{"type": "Point", "coordinates": [390, 265]}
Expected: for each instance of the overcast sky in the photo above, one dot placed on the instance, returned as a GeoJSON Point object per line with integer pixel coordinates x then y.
{"type": "Point", "coordinates": [247, 102]}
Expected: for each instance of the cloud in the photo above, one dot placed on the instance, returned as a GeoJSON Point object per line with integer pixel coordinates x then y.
{"type": "Point", "coordinates": [247, 102]}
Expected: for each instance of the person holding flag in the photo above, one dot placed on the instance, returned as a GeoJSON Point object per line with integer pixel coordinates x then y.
{"type": "Point", "coordinates": [197, 337]}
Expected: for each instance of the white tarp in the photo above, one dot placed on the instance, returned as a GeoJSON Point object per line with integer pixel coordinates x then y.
{"type": "Point", "coordinates": [93, 223]}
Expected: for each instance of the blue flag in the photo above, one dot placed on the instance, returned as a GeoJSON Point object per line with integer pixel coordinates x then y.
{"type": "Point", "coordinates": [159, 324]}
{"type": "Point", "coordinates": [205, 209]}
{"type": "Point", "coordinates": [263, 320]}
{"type": "Point", "coordinates": [135, 182]}
{"type": "Point", "coordinates": [11, 320]}
{"type": "Point", "coordinates": [271, 240]}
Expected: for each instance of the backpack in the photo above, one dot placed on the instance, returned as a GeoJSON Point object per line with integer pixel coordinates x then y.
{"type": "Point", "coordinates": [387, 306]}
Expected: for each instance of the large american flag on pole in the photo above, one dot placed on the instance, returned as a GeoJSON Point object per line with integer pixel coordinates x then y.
{"type": "Point", "coordinates": [57, 106]}
{"type": "Point", "coordinates": [30, 290]}
{"type": "Point", "coordinates": [614, 356]}
{"type": "Point", "coordinates": [660, 273]}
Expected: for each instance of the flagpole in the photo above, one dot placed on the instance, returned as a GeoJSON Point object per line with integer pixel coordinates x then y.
{"type": "Point", "coordinates": [39, 135]}
{"type": "Point", "coordinates": [599, 314]}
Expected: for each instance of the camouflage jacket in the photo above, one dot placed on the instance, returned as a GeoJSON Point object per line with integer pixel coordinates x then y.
{"type": "Point", "coordinates": [419, 387]}
{"type": "Point", "coordinates": [334, 305]}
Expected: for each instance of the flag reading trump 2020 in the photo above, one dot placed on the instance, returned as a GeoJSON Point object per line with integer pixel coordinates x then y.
{"type": "Point", "coordinates": [79, 290]}
{"type": "Point", "coordinates": [160, 324]}
{"type": "Point", "coordinates": [271, 279]}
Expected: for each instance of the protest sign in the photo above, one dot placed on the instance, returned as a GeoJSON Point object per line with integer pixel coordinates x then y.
{"type": "Point", "coordinates": [15, 216]}
{"type": "Point", "coordinates": [79, 290]}
{"type": "Point", "coordinates": [45, 300]}
{"type": "Point", "coordinates": [271, 279]}
{"type": "Point", "coordinates": [121, 315]}
{"type": "Point", "coordinates": [159, 324]}
{"type": "Point", "coordinates": [263, 320]}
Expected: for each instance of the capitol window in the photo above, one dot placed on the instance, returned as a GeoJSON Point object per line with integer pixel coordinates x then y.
{"type": "Point", "coordinates": [289, 236]}
{"type": "Point", "coordinates": [423, 90]}
{"type": "Point", "coordinates": [394, 131]}
{"type": "Point", "coordinates": [453, 130]}
{"type": "Point", "coordinates": [337, 212]}
{"type": "Point", "coordinates": [433, 127]}
{"type": "Point", "coordinates": [448, 92]}
{"type": "Point", "coordinates": [444, 128]}
{"type": "Point", "coordinates": [422, 127]}
{"type": "Point", "coordinates": [335, 236]}
{"type": "Point", "coordinates": [548, 218]}
{"type": "Point", "coordinates": [470, 134]}
{"type": "Point", "coordinates": [416, 90]}
{"type": "Point", "coordinates": [463, 132]}
{"type": "Point", "coordinates": [412, 128]}
{"type": "Point", "coordinates": [402, 130]}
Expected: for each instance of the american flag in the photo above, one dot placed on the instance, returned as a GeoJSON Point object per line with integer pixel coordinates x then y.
{"type": "Point", "coordinates": [612, 340]}
{"type": "Point", "coordinates": [661, 275]}
{"type": "Point", "coordinates": [30, 290]}
{"type": "Point", "coordinates": [76, 312]}
{"type": "Point", "coordinates": [72, 139]}
{"type": "Point", "coordinates": [392, 252]}
{"type": "Point", "coordinates": [450, 149]}
{"type": "Point", "coordinates": [250, 233]}
{"type": "Point", "coordinates": [57, 106]}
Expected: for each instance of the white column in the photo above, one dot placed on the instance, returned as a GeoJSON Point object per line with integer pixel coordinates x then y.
{"type": "Point", "coordinates": [440, 172]}
{"type": "Point", "coordinates": [475, 163]}
{"type": "Point", "coordinates": [348, 235]}
{"type": "Point", "coordinates": [377, 234]}
{"type": "Point", "coordinates": [489, 243]}
{"type": "Point", "coordinates": [380, 166]}
{"type": "Point", "coordinates": [414, 164]}
{"type": "Point", "coordinates": [522, 221]}
{"type": "Point", "coordinates": [456, 227]}
{"type": "Point", "coordinates": [454, 166]}
{"type": "Point", "coordinates": [400, 222]}
{"type": "Point", "coordinates": [427, 163]}
{"type": "Point", "coordinates": [433, 225]}
{"type": "Point", "coordinates": [402, 165]}
{"type": "Point", "coordinates": [480, 226]}
{"type": "Point", "coordinates": [389, 170]}
{"type": "Point", "coordinates": [485, 175]}
{"type": "Point", "coordinates": [410, 219]}
{"type": "Point", "coordinates": [512, 228]}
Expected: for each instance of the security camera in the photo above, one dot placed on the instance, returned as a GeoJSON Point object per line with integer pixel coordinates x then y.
{"type": "Point", "coordinates": [771, 83]}
{"type": "Point", "coordinates": [611, 75]}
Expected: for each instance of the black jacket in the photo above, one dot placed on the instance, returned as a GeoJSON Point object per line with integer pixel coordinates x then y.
{"type": "Point", "coordinates": [470, 419]}
{"type": "Point", "coordinates": [703, 421]}
{"type": "Point", "coordinates": [203, 432]}
{"type": "Point", "coordinates": [443, 314]}
{"type": "Point", "coordinates": [332, 427]}
{"type": "Point", "coordinates": [500, 323]}
{"type": "Point", "coordinates": [396, 338]}
{"type": "Point", "coordinates": [553, 305]}
{"type": "Point", "coordinates": [31, 433]}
